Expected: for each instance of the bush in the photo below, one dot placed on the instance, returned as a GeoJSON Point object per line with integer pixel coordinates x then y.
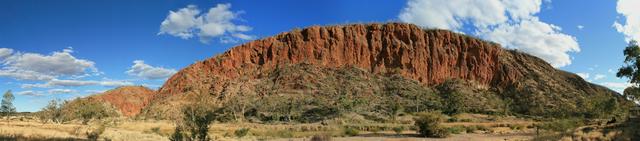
{"type": "Point", "coordinates": [321, 138]}
{"type": "Point", "coordinates": [398, 130]}
{"type": "Point", "coordinates": [95, 134]}
{"type": "Point", "coordinates": [562, 125]}
{"type": "Point", "coordinates": [351, 132]}
{"type": "Point", "coordinates": [457, 129]}
{"type": "Point", "coordinates": [516, 126]}
{"type": "Point", "coordinates": [155, 130]}
{"type": "Point", "coordinates": [428, 124]}
{"type": "Point", "coordinates": [195, 123]}
{"type": "Point", "coordinates": [241, 132]}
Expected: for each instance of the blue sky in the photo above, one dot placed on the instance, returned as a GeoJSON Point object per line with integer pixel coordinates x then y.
{"type": "Point", "coordinates": [104, 44]}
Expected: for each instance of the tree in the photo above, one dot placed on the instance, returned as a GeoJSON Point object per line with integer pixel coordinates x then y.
{"type": "Point", "coordinates": [195, 122]}
{"type": "Point", "coordinates": [428, 124]}
{"type": "Point", "coordinates": [53, 112]}
{"type": "Point", "coordinates": [631, 70]}
{"type": "Point", "coordinates": [6, 106]}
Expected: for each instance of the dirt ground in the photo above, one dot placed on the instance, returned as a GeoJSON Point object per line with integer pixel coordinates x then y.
{"type": "Point", "coordinates": [455, 137]}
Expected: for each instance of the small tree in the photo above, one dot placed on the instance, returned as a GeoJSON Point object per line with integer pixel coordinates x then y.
{"type": "Point", "coordinates": [194, 125]}
{"type": "Point", "coordinates": [631, 70]}
{"type": "Point", "coordinates": [428, 124]}
{"type": "Point", "coordinates": [53, 112]}
{"type": "Point", "coordinates": [6, 107]}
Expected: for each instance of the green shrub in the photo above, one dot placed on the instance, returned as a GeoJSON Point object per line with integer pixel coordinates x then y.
{"type": "Point", "coordinates": [516, 126]}
{"type": "Point", "coordinates": [457, 129]}
{"type": "Point", "coordinates": [470, 129]}
{"type": "Point", "coordinates": [452, 119]}
{"type": "Point", "coordinates": [155, 130]}
{"type": "Point", "coordinates": [351, 132]}
{"type": "Point", "coordinates": [321, 138]}
{"type": "Point", "coordinates": [95, 134]}
{"type": "Point", "coordinates": [398, 129]}
{"type": "Point", "coordinates": [562, 125]}
{"type": "Point", "coordinates": [482, 127]}
{"type": "Point", "coordinates": [465, 120]}
{"type": "Point", "coordinates": [241, 132]}
{"type": "Point", "coordinates": [428, 124]}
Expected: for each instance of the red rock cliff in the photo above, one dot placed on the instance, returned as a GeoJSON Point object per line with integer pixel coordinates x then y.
{"type": "Point", "coordinates": [428, 56]}
{"type": "Point", "coordinates": [129, 100]}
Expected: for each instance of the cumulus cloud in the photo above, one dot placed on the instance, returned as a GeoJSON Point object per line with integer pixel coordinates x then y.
{"type": "Point", "coordinates": [630, 27]}
{"type": "Point", "coordinates": [583, 75]}
{"type": "Point", "coordinates": [77, 83]}
{"type": "Point", "coordinates": [217, 22]}
{"type": "Point", "coordinates": [599, 76]}
{"type": "Point", "coordinates": [509, 22]}
{"type": "Point", "coordinates": [580, 27]}
{"type": "Point", "coordinates": [142, 70]}
{"type": "Point", "coordinates": [61, 91]}
{"type": "Point", "coordinates": [616, 86]}
{"type": "Point", "coordinates": [30, 93]}
{"type": "Point", "coordinates": [34, 66]}
{"type": "Point", "coordinates": [4, 53]}
{"type": "Point", "coordinates": [537, 38]}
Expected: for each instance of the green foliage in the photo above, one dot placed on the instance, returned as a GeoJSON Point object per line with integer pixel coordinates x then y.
{"type": "Point", "coordinates": [196, 119]}
{"type": "Point", "coordinates": [351, 132]}
{"type": "Point", "coordinates": [178, 135]}
{"type": "Point", "coordinates": [53, 112]}
{"type": "Point", "coordinates": [428, 124]}
{"type": "Point", "coordinates": [89, 110]}
{"type": "Point", "coordinates": [94, 134]}
{"type": "Point", "coordinates": [562, 125]}
{"type": "Point", "coordinates": [321, 138]}
{"type": "Point", "coordinates": [398, 130]}
{"type": "Point", "coordinates": [6, 107]}
{"type": "Point", "coordinates": [241, 132]}
{"type": "Point", "coordinates": [457, 129]}
{"type": "Point", "coordinates": [632, 63]}
{"type": "Point", "coordinates": [632, 93]}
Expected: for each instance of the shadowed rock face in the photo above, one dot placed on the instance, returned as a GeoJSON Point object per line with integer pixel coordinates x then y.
{"type": "Point", "coordinates": [129, 100]}
{"type": "Point", "coordinates": [429, 57]}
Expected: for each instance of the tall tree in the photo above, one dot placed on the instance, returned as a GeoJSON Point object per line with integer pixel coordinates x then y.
{"type": "Point", "coordinates": [631, 70]}
{"type": "Point", "coordinates": [6, 107]}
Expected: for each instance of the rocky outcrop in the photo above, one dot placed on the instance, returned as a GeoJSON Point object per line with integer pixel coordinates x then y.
{"type": "Point", "coordinates": [429, 57]}
{"type": "Point", "coordinates": [129, 100]}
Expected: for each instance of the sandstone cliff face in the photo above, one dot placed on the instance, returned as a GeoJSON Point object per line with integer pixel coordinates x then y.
{"type": "Point", "coordinates": [430, 57]}
{"type": "Point", "coordinates": [129, 100]}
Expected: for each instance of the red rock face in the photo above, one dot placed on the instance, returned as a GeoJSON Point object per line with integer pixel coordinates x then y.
{"type": "Point", "coordinates": [428, 56]}
{"type": "Point", "coordinates": [129, 100]}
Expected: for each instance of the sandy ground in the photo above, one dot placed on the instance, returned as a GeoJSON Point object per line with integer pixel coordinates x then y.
{"type": "Point", "coordinates": [456, 137]}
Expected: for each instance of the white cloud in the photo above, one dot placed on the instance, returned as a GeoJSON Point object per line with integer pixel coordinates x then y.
{"type": "Point", "coordinates": [94, 91]}
{"type": "Point", "coordinates": [616, 86]}
{"type": "Point", "coordinates": [580, 27]}
{"type": "Point", "coordinates": [537, 38]}
{"type": "Point", "coordinates": [583, 75]}
{"type": "Point", "coordinates": [77, 83]}
{"type": "Point", "coordinates": [217, 22]}
{"type": "Point", "coordinates": [631, 26]}
{"type": "Point", "coordinates": [509, 22]}
{"type": "Point", "coordinates": [61, 91]}
{"type": "Point", "coordinates": [34, 66]}
{"type": "Point", "coordinates": [611, 71]}
{"type": "Point", "coordinates": [599, 76]}
{"type": "Point", "coordinates": [4, 53]}
{"type": "Point", "coordinates": [30, 93]}
{"type": "Point", "coordinates": [142, 70]}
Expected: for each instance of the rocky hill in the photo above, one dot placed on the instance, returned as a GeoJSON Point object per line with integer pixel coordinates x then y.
{"type": "Point", "coordinates": [392, 60]}
{"type": "Point", "coordinates": [128, 100]}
